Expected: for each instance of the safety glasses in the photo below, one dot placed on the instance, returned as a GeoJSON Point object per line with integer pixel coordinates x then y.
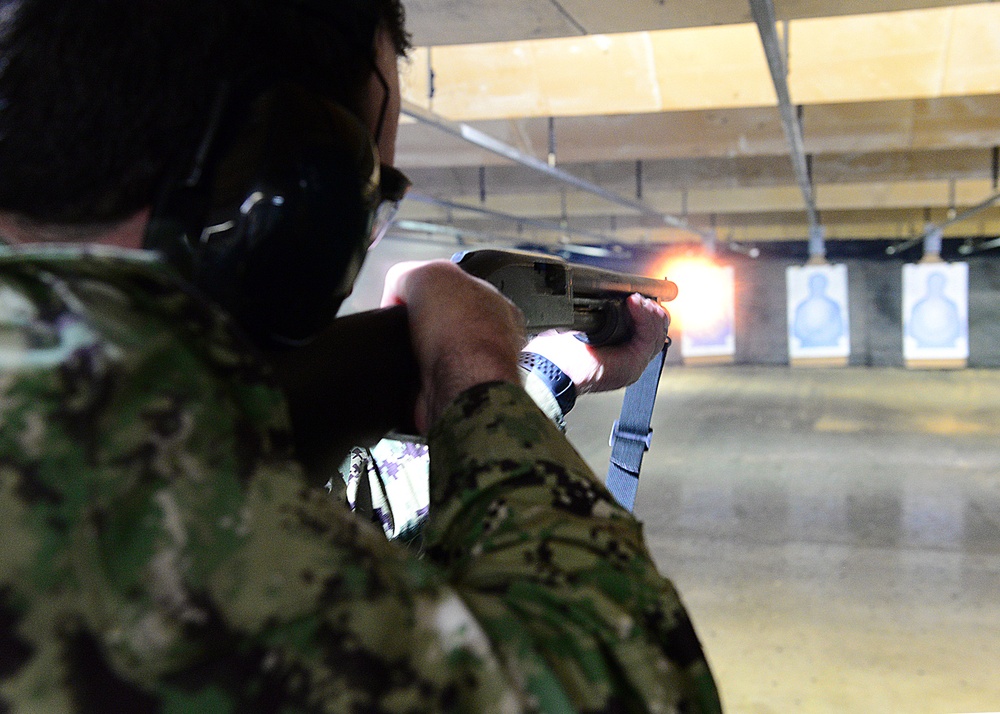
{"type": "Point", "coordinates": [393, 186]}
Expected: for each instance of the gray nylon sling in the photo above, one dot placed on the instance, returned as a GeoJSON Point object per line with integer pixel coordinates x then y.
{"type": "Point", "coordinates": [631, 434]}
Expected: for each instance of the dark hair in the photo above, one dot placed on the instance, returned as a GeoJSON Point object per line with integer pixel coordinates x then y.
{"type": "Point", "coordinates": [99, 99]}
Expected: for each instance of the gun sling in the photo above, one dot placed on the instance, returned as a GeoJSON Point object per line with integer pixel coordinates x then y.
{"type": "Point", "coordinates": [631, 434]}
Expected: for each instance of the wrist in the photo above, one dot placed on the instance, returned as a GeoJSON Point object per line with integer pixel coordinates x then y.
{"type": "Point", "coordinates": [559, 384]}
{"type": "Point", "coordinates": [460, 370]}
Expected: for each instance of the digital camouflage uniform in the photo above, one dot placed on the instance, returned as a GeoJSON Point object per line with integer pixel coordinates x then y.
{"type": "Point", "coordinates": [387, 483]}
{"type": "Point", "coordinates": [394, 490]}
{"type": "Point", "coordinates": [161, 551]}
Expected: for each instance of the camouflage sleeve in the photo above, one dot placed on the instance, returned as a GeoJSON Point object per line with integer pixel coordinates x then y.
{"type": "Point", "coordinates": [556, 572]}
{"type": "Point", "coordinates": [161, 551]}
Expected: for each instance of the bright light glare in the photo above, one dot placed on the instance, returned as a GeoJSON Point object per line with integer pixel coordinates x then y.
{"type": "Point", "coordinates": [704, 303]}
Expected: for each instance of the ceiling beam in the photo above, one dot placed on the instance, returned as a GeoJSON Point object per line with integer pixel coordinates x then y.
{"type": "Point", "coordinates": [857, 196]}
{"type": "Point", "coordinates": [484, 141]}
{"type": "Point", "coordinates": [867, 127]}
{"type": "Point", "coordinates": [519, 223]}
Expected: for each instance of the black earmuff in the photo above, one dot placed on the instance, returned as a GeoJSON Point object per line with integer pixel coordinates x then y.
{"type": "Point", "coordinates": [273, 217]}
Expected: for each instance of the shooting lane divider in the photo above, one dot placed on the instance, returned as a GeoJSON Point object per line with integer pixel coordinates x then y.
{"type": "Point", "coordinates": [631, 435]}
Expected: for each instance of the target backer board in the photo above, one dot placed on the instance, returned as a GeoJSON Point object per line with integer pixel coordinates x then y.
{"type": "Point", "coordinates": [707, 331]}
{"type": "Point", "coordinates": [936, 315]}
{"type": "Point", "coordinates": [819, 332]}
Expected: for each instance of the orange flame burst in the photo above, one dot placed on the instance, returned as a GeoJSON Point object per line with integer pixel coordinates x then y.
{"type": "Point", "coordinates": [705, 292]}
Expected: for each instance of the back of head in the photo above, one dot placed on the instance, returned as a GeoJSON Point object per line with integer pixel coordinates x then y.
{"type": "Point", "coordinates": [93, 98]}
{"type": "Point", "coordinates": [99, 98]}
{"type": "Point", "coordinates": [106, 105]}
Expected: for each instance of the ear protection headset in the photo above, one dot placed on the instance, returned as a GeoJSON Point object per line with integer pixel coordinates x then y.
{"type": "Point", "coordinates": [274, 215]}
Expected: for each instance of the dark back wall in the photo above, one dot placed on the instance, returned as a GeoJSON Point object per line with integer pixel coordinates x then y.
{"type": "Point", "coordinates": [875, 305]}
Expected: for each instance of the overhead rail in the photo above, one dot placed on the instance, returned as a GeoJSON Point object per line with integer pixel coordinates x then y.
{"type": "Point", "coordinates": [460, 235]}
{"type": "Point", "coordinates": [478, 138]}
{"type": "Point", "coordinates": [423, 230]}
{"type": "Point", "coordinates": [934, 232]}
{"type": "Point", "coordinates": [979, 247]}
{"type": "Point", "coordinates": [519, 220]}
{"type": "Point", "coordinates": [776, 53]}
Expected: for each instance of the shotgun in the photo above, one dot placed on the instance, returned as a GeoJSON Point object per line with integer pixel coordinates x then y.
{"type": "Point", "coordinates": [554, 294]}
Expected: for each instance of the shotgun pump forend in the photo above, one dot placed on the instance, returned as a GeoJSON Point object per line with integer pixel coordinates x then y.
{"type": "Point", "coordinates": [554, 294]}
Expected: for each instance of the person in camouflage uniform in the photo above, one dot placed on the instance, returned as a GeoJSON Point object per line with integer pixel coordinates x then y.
{"type": "Point", "coordinates": [162, 549]}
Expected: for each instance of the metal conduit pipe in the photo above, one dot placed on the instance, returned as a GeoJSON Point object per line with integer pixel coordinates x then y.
{"type": "Point", "coordinates": [533, 222]}
{"type": "Point", "coordinates": [485, 141]}
{"type": "Point", "coordinates": [986, 245]}
{"type": "Point", "coordinates": [935, 230]}
{"type": "Point", "coordinates": [460, 235]}
{"type": "Point", "coordinates": [764, 16]}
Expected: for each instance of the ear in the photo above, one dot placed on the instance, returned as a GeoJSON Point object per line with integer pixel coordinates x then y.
{"type": "Point", "coordinates": [273, 220]}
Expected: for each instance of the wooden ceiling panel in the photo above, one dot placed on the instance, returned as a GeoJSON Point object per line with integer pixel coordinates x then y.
{"type": "Point", "coordinates": [869, 57]}
{"type": "Point", "coordinates": [798, 9]}
{"type": "Point", "coordinates": [959, 165]}
{"type": "Point", "coordinates": [595, 67]}
{"type": "Point", "coordinates": [736, 200]}
{"type": "Point", "coordinates": [974, 52]}
{"type": "Point", "coordinates": [872, 127]}
{"type": "Point", "coordinates": [618, 177]}
{"type": "Point", "coordinates": [876, 196]}
{"type": "Point", "coordinates": [935, 52]}
{"type": "Point", "coordinates": [484, 83]}
{"type": "Point", "coordinates": [707, 68]}
{"type": "Point", "coordinates": [599, 16]}
{"type": "Point", "coordinates": [903, 124]}
{"type": "Point", "coordinates": [869, 126]}
{"type": "Point", "coordinates": [422, 146]}
{"type": "Point", "coordinates": [721, 133]}
{"type": "Point", "coordinates": [608, 74]}
{"type": "Point", "coordinates": [751, 131]}
{"type": "Point", "coordinates": [448, 22]}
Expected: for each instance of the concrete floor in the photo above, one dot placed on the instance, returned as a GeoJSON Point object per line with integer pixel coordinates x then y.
{"type": "Point", "coordinates": [834, 533]}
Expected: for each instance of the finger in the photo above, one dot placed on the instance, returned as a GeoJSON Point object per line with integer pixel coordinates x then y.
{"type": "Point", "coordinates": [650, 321]}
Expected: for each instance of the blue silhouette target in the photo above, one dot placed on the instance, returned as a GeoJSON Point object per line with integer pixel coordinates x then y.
{"type": "Point", "coordinates": [818, 324]}
{"type": "Point", "coordinates": [936, 311]}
